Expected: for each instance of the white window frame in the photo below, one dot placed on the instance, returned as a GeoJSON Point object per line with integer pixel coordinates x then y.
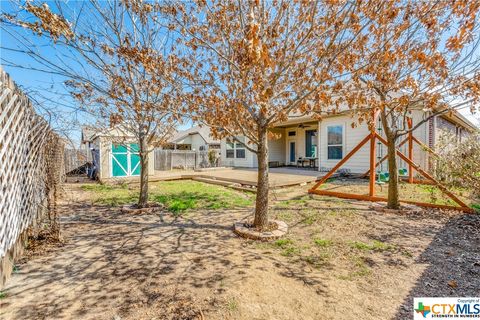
{"type": "Point", "coordinates": [235, 147]}
{"type": "Point", "coordinates": [337, 145]}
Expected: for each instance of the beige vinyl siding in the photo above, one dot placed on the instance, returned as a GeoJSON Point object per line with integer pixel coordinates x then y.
{"type": "Point", "coordinates": [300, 142]}
{"type": "Point", "coordinates": [248, 162]}
{"type": "Point", "coordinates": [197, 141]}
{"type": "Point", "coordinates": [276, 147]}
{"type": "Point", "coordinates": [420, 156]}
{"type": "Point", "coordinates": [358, 163]}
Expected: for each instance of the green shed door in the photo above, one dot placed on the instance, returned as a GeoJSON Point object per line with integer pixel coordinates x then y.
{"type": "Point", "coordinates": [125, 161]}
{"type": "Point", "coordinates": [134, 160]}
{"type": "Point", "coordinates": [119, 160]}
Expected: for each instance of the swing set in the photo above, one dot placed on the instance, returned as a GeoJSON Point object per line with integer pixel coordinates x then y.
{"type": "Point", "coordinates": [407, 175]}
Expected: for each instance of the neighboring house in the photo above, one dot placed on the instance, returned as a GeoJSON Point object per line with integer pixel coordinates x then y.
{"type": "Point", "coordinates": [86, 143]}
{"type": "Point", "coordinates": [196, 138]}
{"type": "Point", "coordinates": [114, 153]}
{"type": "Point", "coordinates": [454, 126]}
{"type": "Point", "coordinates": [322, 144]}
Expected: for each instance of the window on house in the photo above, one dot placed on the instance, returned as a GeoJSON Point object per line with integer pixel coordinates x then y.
{"type": "Point", "coordinates": [230, 150]}
{"type": "Point", "coordinates": [311, 143]}
{"type": "Point", "coordinates": [335, 142]}
{"type": "Point", "coordinates": [240, 151]}
{"type": "Point", "coordinates": [235, 149]}
{"type": "Point", "coordinates": [292, 133]}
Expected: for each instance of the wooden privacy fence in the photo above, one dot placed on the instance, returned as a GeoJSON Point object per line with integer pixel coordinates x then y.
{"type": "Point", "coordinates": [75, 161]}
{"type": "Point", "coordinates": [31, 171]}
{"type": "Point", "coordinates": [184, 159]}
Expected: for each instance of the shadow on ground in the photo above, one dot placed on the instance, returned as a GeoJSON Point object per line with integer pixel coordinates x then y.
{"type": "Point", "coordinates": [453, 259]}
{"type": "Point", "coordinates": [116, 264]}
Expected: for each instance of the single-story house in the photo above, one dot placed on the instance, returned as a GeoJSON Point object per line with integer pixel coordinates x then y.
{"type": "Point", "coordinates": [305, 141]}
{"type": "Point", "coordinates": [196, 138]}
{"type": "Point", "coordinates": [114, 153]}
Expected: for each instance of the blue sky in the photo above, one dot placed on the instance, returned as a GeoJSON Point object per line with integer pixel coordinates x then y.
{"type": "Point", "coordinates": [49, 89]}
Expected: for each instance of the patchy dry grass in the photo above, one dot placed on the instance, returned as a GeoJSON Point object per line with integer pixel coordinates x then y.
{"type": "Point", "coordinates": [323, 242]}
{"type": "Point", "coordinates": [376, 245]}
{"type": "Point", "coordinates": [177, 196]}
{"type": "Point", "coordinates": [413, 192]}
{"type": "Point", "coordinates": [333, 235]}
{"type": "Point", "coordinates": [337, 253]}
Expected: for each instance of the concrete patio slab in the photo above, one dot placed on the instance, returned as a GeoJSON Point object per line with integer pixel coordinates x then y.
{"type": "Point", "coordinates": [279, 177]}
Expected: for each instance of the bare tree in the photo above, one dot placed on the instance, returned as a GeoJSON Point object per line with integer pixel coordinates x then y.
{"type": "Point", "coordinates": [251, 64]}
{"type": "Point", "coordinates": [420, 56]}
{"type": "Point", "coordinates": [116, 60]}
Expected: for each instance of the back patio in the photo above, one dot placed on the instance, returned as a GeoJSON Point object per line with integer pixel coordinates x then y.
{"type": "Point", "coordinates": [279, 177]}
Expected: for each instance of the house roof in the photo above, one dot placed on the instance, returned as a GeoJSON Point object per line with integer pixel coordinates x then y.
{"type": "Point", "coordinates": [203, 131]}
{"type": "Point", "coordinates": [88, 133]}
{"type": "Point", "coordinates": [460, 119]}
{"type": "Point", "coordinates": [452, 115]}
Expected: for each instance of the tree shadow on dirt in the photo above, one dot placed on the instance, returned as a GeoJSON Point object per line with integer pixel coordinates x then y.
{"type": "Point", "coordinates": [115, 264]}
{"type": "Point", "coordinates": [453, 264]}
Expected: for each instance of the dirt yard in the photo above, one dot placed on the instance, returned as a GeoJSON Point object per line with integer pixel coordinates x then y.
{"type": "Point", "coordinates": [340, 260]}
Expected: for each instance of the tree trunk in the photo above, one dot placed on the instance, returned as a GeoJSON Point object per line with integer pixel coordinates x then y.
{"type": "Point", "coordinates": [143, 197]}
{"type": "Point", "coordinates": [261, 205]}
{"type": "Point", "coordinates": [393, 199]}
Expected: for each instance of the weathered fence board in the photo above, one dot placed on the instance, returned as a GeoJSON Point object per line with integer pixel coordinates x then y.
{"type": "Point", "coordinates": [75, 161]}
{"type": "Point", "coordinates": [31, 169]}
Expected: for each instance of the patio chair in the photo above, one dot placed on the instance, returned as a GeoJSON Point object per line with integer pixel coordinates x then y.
{"type": "Point", "coordinates": [301, 161]}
